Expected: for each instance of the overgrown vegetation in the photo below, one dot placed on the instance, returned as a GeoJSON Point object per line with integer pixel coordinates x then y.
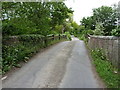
{"type": "Point", "coordinates": [22, 49]}
{"type": "Point", "coordinates": [34, 23]}
{"type": "Point", "coordinates": [116, 32]}
{"type": "Point", "coordinates": [104, 21]}
{"type": "Point", "coordinates": [106, 71]}
{"type": "Point", "coordinates": [42, 18]}
{"type": "Point", "coordinates": [68, 36]}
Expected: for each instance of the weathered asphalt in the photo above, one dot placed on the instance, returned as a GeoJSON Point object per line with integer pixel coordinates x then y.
{"type": "Point", "coordinates": [66, 65]}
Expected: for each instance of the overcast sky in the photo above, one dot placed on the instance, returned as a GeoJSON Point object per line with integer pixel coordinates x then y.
{"type": "Point", "coordinates": [83, 8]}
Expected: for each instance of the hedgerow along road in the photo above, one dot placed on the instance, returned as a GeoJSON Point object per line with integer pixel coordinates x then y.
{"type": "Point", "coordinates": [64, 65]}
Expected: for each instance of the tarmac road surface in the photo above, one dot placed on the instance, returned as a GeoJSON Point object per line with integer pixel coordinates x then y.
{"type": "Point", "coordinates": [64, 65]}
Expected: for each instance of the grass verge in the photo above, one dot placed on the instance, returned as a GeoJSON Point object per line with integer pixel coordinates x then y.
{"type": "Point", "coordinates": [106, 71]}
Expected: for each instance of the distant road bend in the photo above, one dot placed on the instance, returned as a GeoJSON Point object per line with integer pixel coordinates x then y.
{"type": "Point", "coordinates": [64, 65]}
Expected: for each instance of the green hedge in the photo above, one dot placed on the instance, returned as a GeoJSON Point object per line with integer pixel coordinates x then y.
{"type": "Point", "coordinates": [22, 50]}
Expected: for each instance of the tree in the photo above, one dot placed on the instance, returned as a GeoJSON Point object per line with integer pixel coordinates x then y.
{"type": "Point", "coordinates": [59, 14]}
{"type": "Point", "coordinates": [116, 31]}
{"type": "Point", "coordinates": [104, 15]}
{"type": "Point", "coordinates": [89, 22]}
{"type": "Point", "coordinates": [33, 17]}
{"type": "Point", "coordinates": [76, 28]}
{"type": "Point", "coordinates": [99, 29]}
{"type": "Point", "coordinates": [107, 16]}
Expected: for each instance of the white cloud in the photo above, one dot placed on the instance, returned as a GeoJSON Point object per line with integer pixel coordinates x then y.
{"type": "Point", "coordinates": [83, 8]}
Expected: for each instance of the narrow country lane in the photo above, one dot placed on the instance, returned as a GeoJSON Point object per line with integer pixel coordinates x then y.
{"type": "Point", "coordinates": [66, 65]}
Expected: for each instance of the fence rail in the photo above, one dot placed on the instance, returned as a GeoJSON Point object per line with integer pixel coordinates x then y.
{"type": "Point", "coordinates": [15, 39]}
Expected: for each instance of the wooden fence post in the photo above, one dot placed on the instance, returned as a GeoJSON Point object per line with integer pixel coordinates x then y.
{"type": "Point", "coordinates": [45, 40]}
{"type": "Point", "coordinates": [53, 37]}
{"type": "Point", "coordinates": [59, 36]}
